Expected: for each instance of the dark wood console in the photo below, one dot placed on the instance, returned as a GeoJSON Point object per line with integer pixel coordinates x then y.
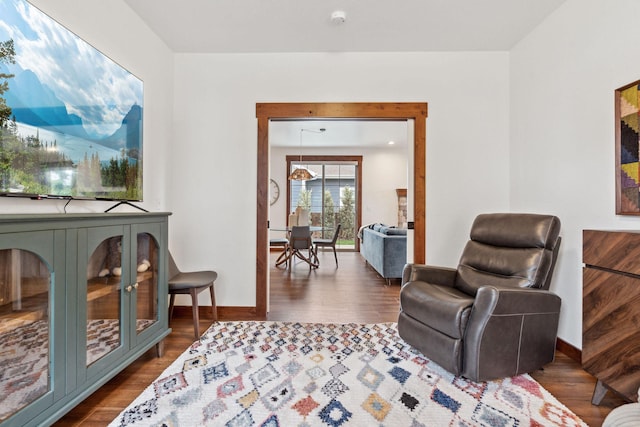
{"type": "Point", "coordinates": [611, 311]}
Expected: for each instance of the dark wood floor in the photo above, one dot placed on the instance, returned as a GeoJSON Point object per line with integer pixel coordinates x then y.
{"type": "Point", "coordinates": [351, 293]}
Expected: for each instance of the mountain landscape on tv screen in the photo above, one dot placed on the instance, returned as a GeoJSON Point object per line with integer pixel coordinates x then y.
{"type": "Point", "coordinates": [70, 117]}
{"type": "Point", "coordinates": [33, 103]}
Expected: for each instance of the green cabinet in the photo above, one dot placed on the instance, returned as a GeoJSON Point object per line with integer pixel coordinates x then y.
{"type": "Point", "coordinates": [81, 297]}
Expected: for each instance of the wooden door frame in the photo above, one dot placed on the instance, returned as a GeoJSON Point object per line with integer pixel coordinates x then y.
{"type": "Point", "coordinates": [350, 110]}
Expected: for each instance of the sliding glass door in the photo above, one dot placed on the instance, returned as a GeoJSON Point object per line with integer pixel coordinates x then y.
{"type": "Point", "coordinates": [329, 198]}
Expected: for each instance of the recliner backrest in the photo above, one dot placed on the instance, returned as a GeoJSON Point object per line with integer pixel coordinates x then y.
{"type": "Point", "coordinates": [509, 249]}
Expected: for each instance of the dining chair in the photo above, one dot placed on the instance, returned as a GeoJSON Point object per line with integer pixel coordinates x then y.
{"type": "Point", "coordinates": [328, 243]}
{"type": "Point", "coordinates": [283, 242]}
{"type": "Point", "coordinates": [192, 283]}
{"type": "Point", "coordinates": [300, 240]}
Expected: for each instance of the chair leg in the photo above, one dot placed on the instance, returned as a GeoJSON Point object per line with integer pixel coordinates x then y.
{"type": "Point", "coordinates": [312, 259]}
{"type": "Point", "coordinates": [291, 260]}
{"type": "Point", "coordinates": [335, 255]}
{"type": "Point", "coordinates": [288, 255]}
{"type": "Point", "coordinates": [196, 317]}
{"type": "Point", "coordinates": [172, 299]}
{"type": "Point", "coordinates": [214, 307]}
{"type": "Point", "coordinates": [283, 258]}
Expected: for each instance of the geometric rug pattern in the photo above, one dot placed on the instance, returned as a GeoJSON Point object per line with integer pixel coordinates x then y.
{"type": "Point", "coordinates": [24, 358]}
{"type": "Point", "coordinates": [310, 374]}
{"type": "Point", "coordinates": [103, 336]}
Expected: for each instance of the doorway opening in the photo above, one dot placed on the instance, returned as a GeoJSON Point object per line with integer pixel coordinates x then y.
{"type": "Point", "coordinates": [417, 112]}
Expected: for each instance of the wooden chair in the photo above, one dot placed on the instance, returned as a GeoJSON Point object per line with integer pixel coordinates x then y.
{"type": "Point", "coordinates": [191, 283]}
{"type": "Point", "coordinates": [328, 243]}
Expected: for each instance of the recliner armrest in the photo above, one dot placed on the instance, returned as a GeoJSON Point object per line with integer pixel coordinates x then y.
{"type": "Point", "coordinates": [427, 273]}
{"type": "Point", "coordinates": [511, 328]}
{"type": "Point", "coordinates": [505, 301]}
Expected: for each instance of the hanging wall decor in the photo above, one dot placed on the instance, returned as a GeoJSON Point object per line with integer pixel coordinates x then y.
{"type": "Point", "coordinates": [627, 149]}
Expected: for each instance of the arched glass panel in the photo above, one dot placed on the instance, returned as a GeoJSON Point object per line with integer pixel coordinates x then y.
{"type": "Point", "coordinates": [104, 281]}
{"type": "Point", "coordinates": [147, 281]}
{"type": "Point", "coordinates": [25, 328]}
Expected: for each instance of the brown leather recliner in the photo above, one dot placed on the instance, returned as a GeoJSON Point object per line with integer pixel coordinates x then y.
{"type": "Point", "coordinates": [493, 316]}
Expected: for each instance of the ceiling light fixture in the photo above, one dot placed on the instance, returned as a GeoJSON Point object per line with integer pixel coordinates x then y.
{"type": "Point", "coordinates": [338, 17]}
{"type": "Point", "coordinates": [301, 173]}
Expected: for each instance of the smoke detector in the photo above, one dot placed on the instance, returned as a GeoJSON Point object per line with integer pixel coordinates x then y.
{"type": "Point", "coordinates": [338, 17]}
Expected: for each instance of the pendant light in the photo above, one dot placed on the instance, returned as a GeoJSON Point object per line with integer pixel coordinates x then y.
{"type": "Point", "coordinates": [300, 173]}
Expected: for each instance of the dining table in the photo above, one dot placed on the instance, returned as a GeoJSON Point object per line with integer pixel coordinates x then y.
{"type": "Point", "coordinates": [287, 254]}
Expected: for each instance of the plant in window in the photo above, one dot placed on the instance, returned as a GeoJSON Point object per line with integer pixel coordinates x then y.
{"type": "Point", "coordinates": [329, 216]}
{"type": "Point", "coordinates": [304, 199]}
{"type": "Point", "coordinates": [346, 214]}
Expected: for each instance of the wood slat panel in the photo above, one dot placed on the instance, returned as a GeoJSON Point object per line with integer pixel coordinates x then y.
{"type": "Point", "coordinates": [604, 314]}
{"type": "Point", "coordinates": [611, 309]}
{"type": "Point", "coordinates": [615, 250]}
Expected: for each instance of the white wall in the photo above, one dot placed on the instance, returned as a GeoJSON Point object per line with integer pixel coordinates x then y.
{"type": "Point", "coordinates": [563, 77]}
{"type": "Point", "coordinates": [551, 96]}
{"type": "Point", "coordinates": [200, 133]}
{"type": "Point", "coordinates": [214, 148]}
{"type": "Point", "coordinates": [114, 29]}
{"type": "Point", "coordinates": [383, 170]}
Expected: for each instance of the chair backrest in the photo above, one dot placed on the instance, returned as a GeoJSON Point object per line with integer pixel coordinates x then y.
{"type": "Point", "coordinates": [300, 237]}
{"type": "Point", "coordinates": [173, 268]}
{"type": "Point", "coordinates": [335, 235]}
{"type": "Point", "coordinates": [509, 249]}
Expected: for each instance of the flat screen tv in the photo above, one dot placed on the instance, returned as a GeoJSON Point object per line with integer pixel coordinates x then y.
{"type": "Point", "coordinates": [70, 117]}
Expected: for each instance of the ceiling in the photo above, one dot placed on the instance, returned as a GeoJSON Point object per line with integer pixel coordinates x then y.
{"type": "Point", "coordinates": [231, 26]}
{"type": "Point", "coordinates": [338, 133]}
{"type": "Point", "coordinates": [266, 26]}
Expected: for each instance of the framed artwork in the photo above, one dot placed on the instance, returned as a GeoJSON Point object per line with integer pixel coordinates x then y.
{"type": "Point", "coordinates": [627, 121]}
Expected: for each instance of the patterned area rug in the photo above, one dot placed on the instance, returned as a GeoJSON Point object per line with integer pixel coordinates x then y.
{"type": "Point", "coordinates": [296, 374]}
{"type": "Point", "coordinates": [24, 357]}
{"type": "Point", "coordinates": [103, 336]}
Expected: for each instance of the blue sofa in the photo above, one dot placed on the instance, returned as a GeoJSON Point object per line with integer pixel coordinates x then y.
{"type": "Point", "coordinates": [385, 249]}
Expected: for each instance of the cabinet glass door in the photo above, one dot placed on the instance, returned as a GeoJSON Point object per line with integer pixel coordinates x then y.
{"type": "Point", "coordinates": [25, 328]}
{"type": "Point", "coordinates": [104, 282]}
{"type": "Point", "coordinates": [146, 283]}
